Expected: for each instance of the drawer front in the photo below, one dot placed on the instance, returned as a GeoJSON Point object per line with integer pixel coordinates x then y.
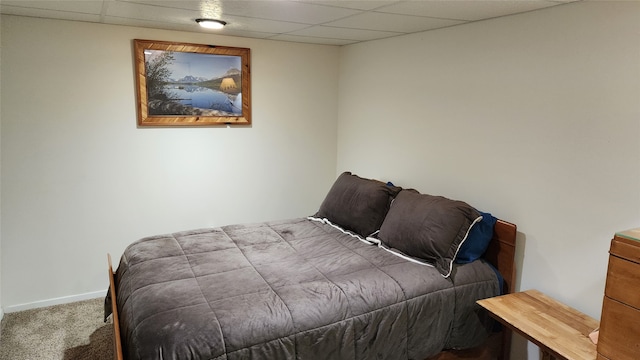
{"type": "Point", "coordinates": [623, 281]}
{"type": "Point", "coordinates": [625, 248]}
{"type": "Point", "coordinates": [619, 336]}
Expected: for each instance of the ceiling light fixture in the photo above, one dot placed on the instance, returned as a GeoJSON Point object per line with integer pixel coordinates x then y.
{"type": "Point", "coordinates": [211, 23]}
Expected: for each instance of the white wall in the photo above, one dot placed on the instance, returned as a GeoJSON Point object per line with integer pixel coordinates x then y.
{"type": "Point", "coordinates": [533, 117]}
{"type": "Point", "coordinates": [1, 308]}
{"type": "Point", "coordinates": [80, 180]}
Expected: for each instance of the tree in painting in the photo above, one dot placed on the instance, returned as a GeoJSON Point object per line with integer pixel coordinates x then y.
{"type": "Point", "coordinates": [158, 74]}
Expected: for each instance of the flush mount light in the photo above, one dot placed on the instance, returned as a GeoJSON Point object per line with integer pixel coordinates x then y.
{"type": "Point", "coordinates": [211, 23]}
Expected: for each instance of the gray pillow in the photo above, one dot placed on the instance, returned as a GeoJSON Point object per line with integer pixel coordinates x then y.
{"type": "Point", "coordinates": [431, 228]}
{"type": "Point", "coordinates": [357, 204]}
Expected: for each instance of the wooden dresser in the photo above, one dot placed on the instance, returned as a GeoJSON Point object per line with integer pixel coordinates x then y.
{"type": "Point", "coordinates": [619, 337]}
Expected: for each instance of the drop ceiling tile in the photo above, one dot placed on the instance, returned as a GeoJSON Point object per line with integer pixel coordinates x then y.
{"type": "Point", "coordinates": [84, 7]}
{"type": "Point", "coordinates": [206, 8]}
{"type": "Point", "coordinates": [301, 12]}
{"type": "Point", "coordinates": [261, 25]}
{"type": "Point", "coordinates": [464, 9]}
{"type": "Point", "coordinates": [176, 4]}
{"type": "Point", "coordinates": [342, 33]}
{"type": "Point", "coordinates": [392, 22]}
{"type": "Point", "coordinates": [312, 40]}
{"type": "Point", "coordinates": [48, 14]}
{"type": "Point", "coordinates": [352, 4]}
{"type": "Point", "coordinates": [114, 20]}
{"type": "Point", "coordinates": [242, 33]}
{"type": "Point", "coordinates": [146, 12]}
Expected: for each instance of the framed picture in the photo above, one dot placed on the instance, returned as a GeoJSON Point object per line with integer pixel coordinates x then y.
{"type": "Point", "coordinates": [191, 85]}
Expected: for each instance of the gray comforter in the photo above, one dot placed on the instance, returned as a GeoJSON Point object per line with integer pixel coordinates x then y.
{"type": "Point", "coordinates": [295, 289]}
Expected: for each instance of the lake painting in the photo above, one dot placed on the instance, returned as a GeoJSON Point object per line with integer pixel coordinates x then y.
{"type": "Point", "coordinates": [193, 84]}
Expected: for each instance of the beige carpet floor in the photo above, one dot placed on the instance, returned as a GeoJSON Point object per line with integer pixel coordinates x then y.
{"type": "Point", "coordinates": [72, 331]}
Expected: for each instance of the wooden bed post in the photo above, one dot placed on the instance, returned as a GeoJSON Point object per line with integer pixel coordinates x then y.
{"type": "Point", "coordinates": [501, 254]}
{"type": "Point", "coordinates": [117, 345]}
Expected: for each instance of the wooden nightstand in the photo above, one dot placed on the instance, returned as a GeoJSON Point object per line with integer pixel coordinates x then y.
{"type": "Point", "coordinates": [560, 331]}
{"type": "Point", "coordinates": [620, 321]}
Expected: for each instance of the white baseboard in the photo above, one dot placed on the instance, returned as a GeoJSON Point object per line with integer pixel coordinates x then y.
{"type": "Point", "coordinates": [55, 301]}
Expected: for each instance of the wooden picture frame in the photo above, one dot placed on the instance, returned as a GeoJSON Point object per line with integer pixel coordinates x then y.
{"type": "Point", "coordinates": [181, 84]}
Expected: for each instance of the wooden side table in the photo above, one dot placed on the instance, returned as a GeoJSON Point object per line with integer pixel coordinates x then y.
{"type": "Point", "coordinates": [560, 331]}
{"type": "Point", "coordinates": [620, 320]}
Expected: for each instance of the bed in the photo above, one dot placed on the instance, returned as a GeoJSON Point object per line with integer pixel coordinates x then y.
{"type": "Point", "coordinates": [379, 272]}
